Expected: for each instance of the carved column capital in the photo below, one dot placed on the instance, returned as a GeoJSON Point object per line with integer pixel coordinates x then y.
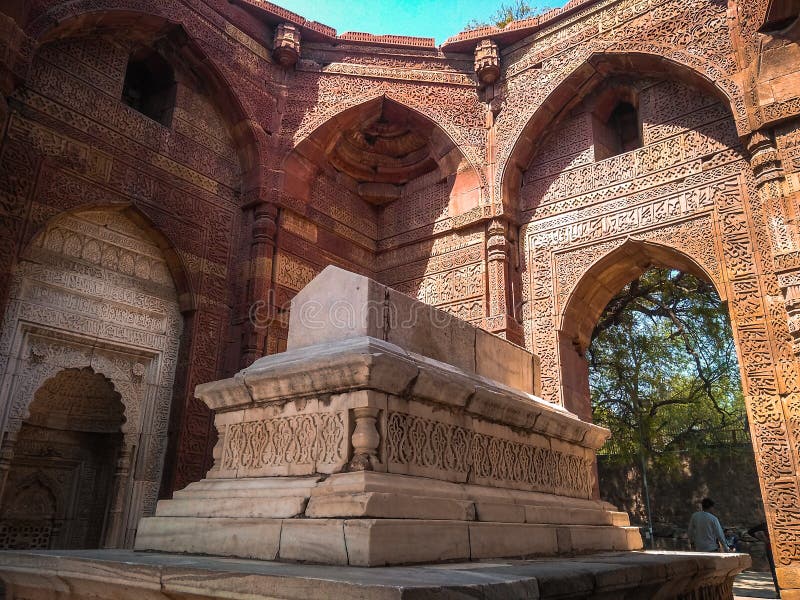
{"type": "Point", "coordinates": [764, 157]}
{"type": "Point", "coordinates": [286, 46]}
{"type": "Point", "coordinates": [265, 215]}
{"type": "Point", "coordinates": [496, 241]}
{"type": "Point", "coordinates": [487, 62]}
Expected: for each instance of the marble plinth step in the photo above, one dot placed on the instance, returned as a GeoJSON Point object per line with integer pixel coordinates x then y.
{"type": "Point", "coordinates": [125, 575]}
{"type": "Point", "coordinates": [381, 496]}
{"type": "Point", "coordinates": [375, 542]}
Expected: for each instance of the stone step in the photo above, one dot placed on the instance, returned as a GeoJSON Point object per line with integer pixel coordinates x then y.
{"type": "Point", "coordinates": [276, 507]}
{"type": "Point", "coordinates": [374, 542]}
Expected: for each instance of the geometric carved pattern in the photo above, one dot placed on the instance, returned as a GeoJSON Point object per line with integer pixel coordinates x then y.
{"type": "Point", "coordinates": [301, 439]}
{"type": "Point", "coordinates": [490, 460]}
{"type": "Point", "coordinates": [25, 534]}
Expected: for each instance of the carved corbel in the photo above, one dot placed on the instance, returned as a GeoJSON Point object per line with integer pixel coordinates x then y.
{"type": "Point", "coordinates": [487, 62]}
{"type": "Point", "coordinates": [286, 46]}
{"type": "Point", "coordinates": [764, 157]}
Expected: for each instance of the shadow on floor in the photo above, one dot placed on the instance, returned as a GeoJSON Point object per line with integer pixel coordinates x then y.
{"type": "Point", "coordinates": [752, 584]}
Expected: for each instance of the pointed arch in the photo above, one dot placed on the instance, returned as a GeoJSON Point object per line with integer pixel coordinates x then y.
{"type": "Point", "coordinates": [178, 270]}
{"type": "Point", "coordinates": [315, 140]}
{"type": "Point", "coordinates": [603, 280]}
{"type": "Point", "coordinates": [348, 111]}
{"type": "Point", "coordinates": [595, 288]}
{"type": "Point", "coordinates": [101, 406]}
{"type": "Point", "coordinates": [577, 85]}
{"type": "Point", "coordinates": [156, 20]}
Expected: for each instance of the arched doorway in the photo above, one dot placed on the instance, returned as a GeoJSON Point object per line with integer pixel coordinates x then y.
{"type": "Point", "coordinates": [61, 478]}
{"type": "Point", "coordinates": [589, 299]}
{"type": "Point", "coordinates": [664, 379]}
{"type": "Point", "coordinates": [92, 302]}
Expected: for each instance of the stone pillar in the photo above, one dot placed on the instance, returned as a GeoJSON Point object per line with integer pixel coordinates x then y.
{"type": "Point", "coordinates": [773, 381]}
{"type": "Point", "coordinates": [259, 278]}
{"type": "Point", "coordinates": [501, 320]}
{"type": "Point", "coordinates": [365, 439]}
{"type": "Point", "coordinates": [286, 46]}
{"type": "Point", "coordinates": [114, 536]}
{"type": "Point", "coordinates": [770, 180]}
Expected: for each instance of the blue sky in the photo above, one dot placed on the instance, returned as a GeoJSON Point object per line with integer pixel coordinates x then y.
{"type": "Point", "coordinates": [439, 19]}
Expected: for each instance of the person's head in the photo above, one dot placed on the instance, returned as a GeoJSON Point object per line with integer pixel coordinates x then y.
{"type": "Point", "coordinates": [707, 503]}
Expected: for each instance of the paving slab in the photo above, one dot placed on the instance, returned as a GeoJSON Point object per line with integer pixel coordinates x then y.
{"type": "Point", "coordinates": [754, 584]}
{"type": "Point", "coordinates": [112, 574]}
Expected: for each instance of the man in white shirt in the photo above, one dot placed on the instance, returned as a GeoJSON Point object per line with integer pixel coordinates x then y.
{"type": "Point", "coordinates": [705, 532]}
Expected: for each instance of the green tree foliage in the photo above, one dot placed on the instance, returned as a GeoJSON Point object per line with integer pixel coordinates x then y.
{"type": "Point", "coordinates": [663, 369]}
{"type": "Point", "coordinates": [505, 13]}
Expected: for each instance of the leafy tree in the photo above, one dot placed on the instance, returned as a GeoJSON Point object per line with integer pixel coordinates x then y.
{"type": "Point", "coordinates": [505, 13]}
{"type": "Point", "coordinates": [663, 369]}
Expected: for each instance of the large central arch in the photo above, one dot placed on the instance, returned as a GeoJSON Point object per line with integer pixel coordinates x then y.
{"type": "Point", "coordinates": [382, 189]}
{"type": "Point", "coordinates": [687, 198]}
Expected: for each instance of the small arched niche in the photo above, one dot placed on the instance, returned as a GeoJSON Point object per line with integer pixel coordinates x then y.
{"type": "Point", "coordinates": [93, 304]}
{"type": "Point", "coordinates": [60, 481]}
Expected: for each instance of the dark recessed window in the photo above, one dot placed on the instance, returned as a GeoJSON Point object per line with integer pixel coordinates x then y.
{"type": "Point", "coordinates": [620, 133]}
{"type": "Point", "coordinates": [150, 85]}
{"type": "Point", "coordinates": [780, 15]}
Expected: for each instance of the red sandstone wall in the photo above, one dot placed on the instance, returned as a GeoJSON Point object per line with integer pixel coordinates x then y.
{"type": "Point", "coordinates": [71, 143]}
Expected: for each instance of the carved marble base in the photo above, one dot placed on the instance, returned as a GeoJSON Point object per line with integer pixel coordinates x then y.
{"type": "Point", "coordinates": [395, 435]}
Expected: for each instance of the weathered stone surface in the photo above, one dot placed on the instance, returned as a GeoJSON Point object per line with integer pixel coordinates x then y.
{"type": "Point", "coordinates": [314, 540]}
{"type": "Point", "coordinates": [391, 506]}
{"type": "Point", "coordinates": [505, 200]}
{"type": "Point", "coordinates": [339, 305]}
{"type": "Point", "coordinates": [488, 540]}
{"type": "Point", "coordinates": [111, 574]}
{"type": "Point", "coordinates": [242, 537]}
{"type": "Point", "coordinates": [376, 542]}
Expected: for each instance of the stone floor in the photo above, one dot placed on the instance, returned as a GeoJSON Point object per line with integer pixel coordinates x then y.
{"type": "Point", "coordinates": [125, 575]}
{"type": "Point", "coordinates": [752, 584]}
